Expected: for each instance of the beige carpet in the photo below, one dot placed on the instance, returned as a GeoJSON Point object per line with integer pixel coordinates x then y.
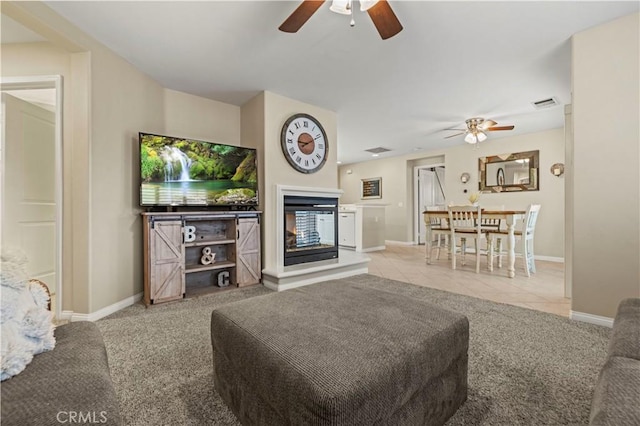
{"type": "Point", "coordinates": [525, 367]}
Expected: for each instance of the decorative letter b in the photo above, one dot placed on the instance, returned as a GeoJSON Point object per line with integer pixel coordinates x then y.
{"type": "Point", "coordinates": [189, 234]}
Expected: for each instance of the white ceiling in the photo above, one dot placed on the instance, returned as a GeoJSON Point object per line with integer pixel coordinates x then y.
{"type": "Point", "coordinates": [453, 60]}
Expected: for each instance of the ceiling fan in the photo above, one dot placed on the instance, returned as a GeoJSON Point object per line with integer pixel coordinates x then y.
{"type": "Point", "coordinates": [380, 12]}
{"type": "Point", "coordinates": [477, 128]}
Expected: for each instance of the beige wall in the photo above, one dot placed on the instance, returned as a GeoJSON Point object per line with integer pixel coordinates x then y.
{"type": "Point", "coordinates": [395, 185]}
{"type": "Point", "coordinates": [123, 102]}
{"type": "Point", "coordinates": [398, 188]}
{"type": "Point", "coordinates": [253, 136]}
{"type": "Point", "coordinates": [252, 120]}
{"type": "Point", "coordinates": [606, 158]}
{"type": "Point", "coordinates": [198, 118]}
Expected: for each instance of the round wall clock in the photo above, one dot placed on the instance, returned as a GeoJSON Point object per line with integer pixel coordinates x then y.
{"type": "Point", "coordinates": [304, 143]}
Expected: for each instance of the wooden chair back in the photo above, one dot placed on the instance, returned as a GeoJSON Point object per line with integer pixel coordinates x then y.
{"type": "Point", "coordinates": [467, 219]}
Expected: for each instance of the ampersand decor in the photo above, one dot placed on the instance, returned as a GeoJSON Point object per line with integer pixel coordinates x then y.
{"type": "Point", "coordinates": [208, 257]}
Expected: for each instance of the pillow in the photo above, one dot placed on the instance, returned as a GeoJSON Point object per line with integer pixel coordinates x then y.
{"type": "Point", "coordinates": [26, 324]}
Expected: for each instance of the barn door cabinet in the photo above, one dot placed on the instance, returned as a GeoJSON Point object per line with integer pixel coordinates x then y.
{"type": "Point", "coordinates": [190, 253]}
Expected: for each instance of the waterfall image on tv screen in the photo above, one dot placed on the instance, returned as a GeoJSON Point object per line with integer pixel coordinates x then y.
{"type": "Point", "coordinates": [185, 172]}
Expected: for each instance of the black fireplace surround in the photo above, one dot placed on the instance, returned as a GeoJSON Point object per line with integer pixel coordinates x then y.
{"type": "Point", "coordinates": [310, 229]}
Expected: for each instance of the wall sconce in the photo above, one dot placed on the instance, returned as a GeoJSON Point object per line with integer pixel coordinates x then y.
{"type": "Point", "coordinates": [557, 169]}
{"type": "Point", "coordinates": [464, 178]}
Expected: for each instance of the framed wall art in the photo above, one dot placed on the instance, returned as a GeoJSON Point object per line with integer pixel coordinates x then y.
{"type": "Point", "coordinates": [371, 188]}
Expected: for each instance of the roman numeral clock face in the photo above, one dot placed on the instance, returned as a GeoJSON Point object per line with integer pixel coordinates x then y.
{"type": "Point", "coordinates": [304, 143]}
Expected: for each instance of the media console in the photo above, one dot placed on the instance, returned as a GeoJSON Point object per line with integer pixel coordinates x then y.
{"type": "Point", "coordinates": [190, 253]}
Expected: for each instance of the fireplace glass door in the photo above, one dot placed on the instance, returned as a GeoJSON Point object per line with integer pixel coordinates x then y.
{"type": "Point", "coordinates": [311, 231]}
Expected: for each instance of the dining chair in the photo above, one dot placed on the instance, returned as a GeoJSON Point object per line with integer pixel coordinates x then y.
{"type": "Point", "coordinates": [490, 224]}
{"type": "Point", "coordinates": [465, 223]}
{"type": "Point", "coordinates": [525, 235]}
{"type": "Point", "coordinates": [440, 233]}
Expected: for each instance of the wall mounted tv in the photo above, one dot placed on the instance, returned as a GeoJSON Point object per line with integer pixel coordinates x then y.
{"type": "Point", "coordinates": [186, 172]}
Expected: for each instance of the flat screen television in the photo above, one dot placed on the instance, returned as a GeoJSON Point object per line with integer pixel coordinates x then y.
{"type": "Point", "coordinates": [186, 172]}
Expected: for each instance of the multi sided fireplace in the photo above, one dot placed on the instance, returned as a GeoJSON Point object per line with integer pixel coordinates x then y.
{"type": "Point", "coordinates": [310, 229]}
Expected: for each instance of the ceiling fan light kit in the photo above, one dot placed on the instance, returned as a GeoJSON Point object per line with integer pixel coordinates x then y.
{"type": "Point", "coordinates": [342, 7]}
{"type": "Point", "coordinates": [345, 7]}
{"type": "Point", "coordinates": [477, 129]}
{"type": "Point", "coordinates": [475, 137]}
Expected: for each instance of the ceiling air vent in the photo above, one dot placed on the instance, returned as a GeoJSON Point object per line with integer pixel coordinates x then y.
{"type": "Point", "coordinates": [378, 150]}
{"type": "Point", "coordinates": [545, 103]}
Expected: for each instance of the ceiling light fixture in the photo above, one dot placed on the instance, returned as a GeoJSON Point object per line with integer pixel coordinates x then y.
{"type": "Point", "coordinates": [475, 136]}
{"type": "Point", "coordinates": [475, 130]}
{"type": "Point", "coordinates": [345, 7]}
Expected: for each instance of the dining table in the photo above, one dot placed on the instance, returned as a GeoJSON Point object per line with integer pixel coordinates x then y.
{"type": "Point", "coordinates": [509, 216]}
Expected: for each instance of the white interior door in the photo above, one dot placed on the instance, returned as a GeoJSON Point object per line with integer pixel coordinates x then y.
{"type": "Point", "coordinates": [430, 194]}
{"type": "Point", "coordinates": [29, 185]}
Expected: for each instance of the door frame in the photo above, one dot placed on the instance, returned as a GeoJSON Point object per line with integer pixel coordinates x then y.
{"type": "Point", "coordinates": [47, 82]}
{"type": "Point", "coordinates": [417, 216]}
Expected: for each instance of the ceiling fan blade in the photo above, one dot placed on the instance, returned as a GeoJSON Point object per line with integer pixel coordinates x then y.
{"type": "Point", "coordinates": [457, 134]}
{"type": "Point", "coordinates": [494, 128]}
{"type": "Point", "coordinates": [385, 21]}
{"type": "Point", "coordinates": [301, 15]}
{"type": "Point", "coordinates": [488, 123]}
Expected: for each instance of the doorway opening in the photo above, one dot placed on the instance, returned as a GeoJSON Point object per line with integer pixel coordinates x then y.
{"type": "Point", "coordinates": [429, 192]}
{"type": "Point", "coordinates": [31, 176]}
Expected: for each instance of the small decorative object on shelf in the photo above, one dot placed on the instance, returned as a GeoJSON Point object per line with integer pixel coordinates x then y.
{"type": "Point", "coordinates": [189, 234]}
{"type": "Point", "coordinates": [223, 279]}
{"type": "Point", "coordinates": [208, 257]}
{"type": "Point", "coordinates": [474, 198]}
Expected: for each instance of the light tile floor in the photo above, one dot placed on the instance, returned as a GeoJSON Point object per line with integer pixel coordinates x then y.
{"type": "Point", "coordinates": [543, 291]}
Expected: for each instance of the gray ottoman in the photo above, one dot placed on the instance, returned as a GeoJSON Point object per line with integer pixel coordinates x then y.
{"type": "Point", "coordinates": [339, 353]}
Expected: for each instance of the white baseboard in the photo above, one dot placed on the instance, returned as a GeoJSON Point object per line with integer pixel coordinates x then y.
{"type": "Point", "coordinates": [66, 315]}
{"type": "Point", "coordinates": [400, 243]}
{"type": "Point", "coordinates": [101, 313]}
{"type": "Point", "coordinates": [550, 258]}
{"type": "Point", "coordinates": [591, 319]}
{"type": "Point", "coordinates": [367, 250]}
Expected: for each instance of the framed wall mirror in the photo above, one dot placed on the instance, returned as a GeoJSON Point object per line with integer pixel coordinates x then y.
{"type": "Point", "coordinates": [509, 172]}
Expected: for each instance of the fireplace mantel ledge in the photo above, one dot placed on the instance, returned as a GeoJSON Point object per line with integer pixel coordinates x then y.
{"type": "Point", "coordinates": [348, 263]}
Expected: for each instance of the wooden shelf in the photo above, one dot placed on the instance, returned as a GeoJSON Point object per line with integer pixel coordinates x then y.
{"type": "Point", "coordinates": [209, 243]}
{"type": "Point", "coordinates": [216, 265]}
